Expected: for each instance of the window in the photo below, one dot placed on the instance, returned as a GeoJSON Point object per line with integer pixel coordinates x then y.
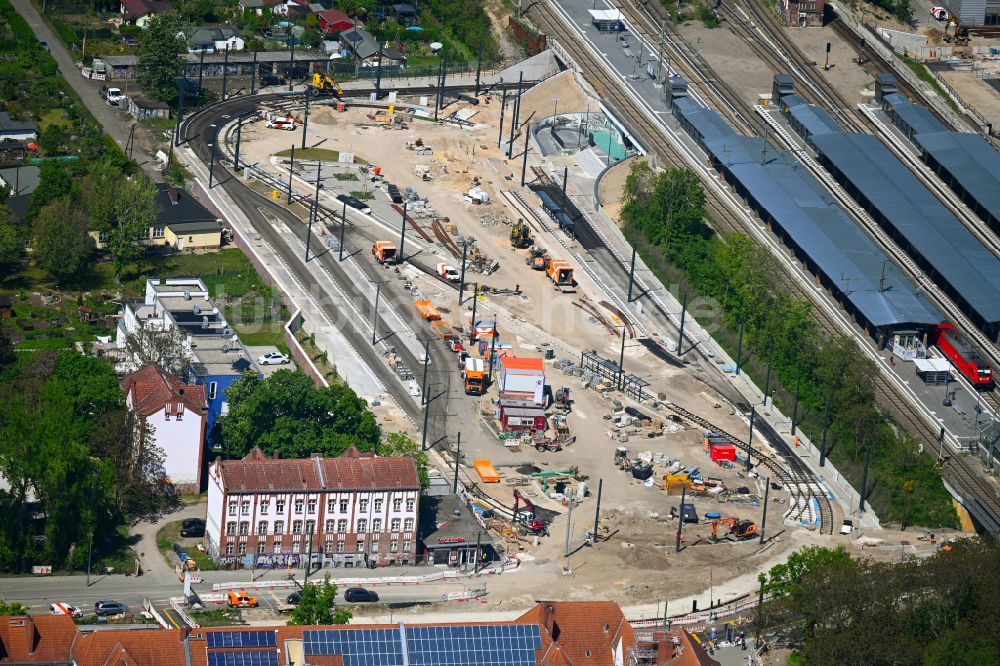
{"type": "Point", "coordinates": [341, 526]}
{"type": "Point", "coordinates": [232, 507]}
{"type": "Point", "coordinates": [244, 528]}
{"type": "Point", "coordinates": [408, 525]}
{"type": "Point", "coordinates": [279, 506]}
{"type": "Point", "coordinates": [330, 526]}
{"type": "Point", "coordinates": [395, 524]}
{"type": "Point", "coordinates": [229, 549]}
{"type": "Point", "coordinates": [362, 526]}
{"type": "Point", "coordinates": [410, 504]}
{"type": "Point", "coordinates": [260, 547]}
{"type": "Point", "coordinates": [363, 506]}
{"type": "Point", "coordinates": [296, 546]}
{"type": "Point", "coordinates": [340, 546]}
{"type": "Point", "coordinates": [298, 506]}
{"type": "Point", "coordinates": [361, 545]}
{"type": "Point", "coordinates": [262, 528]}
{"type": "Point", "coordinates": [397, 504]}
{"type": "Point", "coordinates": [310, 526]}
{"type": "Point", "coordinates": [103, 237]}
{"type": "Point", "coordinates": [230, 529]}
{"type": "Point", "coordinates": [279, 527]}
{"type": "Point", "coordinates": [375, 546]}
{"type": "Point", "coordinates": [243, 549]}
{"type": "Point", "coordinates": [378, 505]}
{"type": "Point", "coordinates": [312, 506]}
{"type": "Point", "coordinates": [297, 527]}
{"type": "Point", "coordinates": [245, 508]}
{"type": "Point", "coordinates": [331, 506]}
{"type": "Point", "coordinates": [328, 547]}
{"type": "Point", "coordinates": [264, 506]}
{"type": "Point", "coordinates": [343, 506]}
{"type": "Point", "coordinates": [377, 525]}
{"type": "Point", "coordinates": [394, 546]}
{"type": "Point", "coordinates": [213, 388]}
{"type": "Point", "coordinates": [277, 547]}
{"type": "Point", "coordinates": [406, 546]}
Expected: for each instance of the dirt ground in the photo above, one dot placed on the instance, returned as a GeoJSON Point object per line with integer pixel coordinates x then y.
{"type": "Point", "coordinates": [613, 184]}
{"type": "Point", "coordinates": [983, 97]}
{"type": "Point", "coordinates": [642, 534]}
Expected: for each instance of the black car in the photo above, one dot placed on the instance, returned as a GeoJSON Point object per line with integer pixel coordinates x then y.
{"type": "Point", "coordinates": [193, 531]}
{"type": "Point", "coordinates": [294, 598]}
{"type": "Point", "coordinates": [193, 522]}
{"type": "Point", "coordinates": [104, 608]}
{"type": "Point", "coordinates": [356, 594]}
{"type": "Point", "coordinates": [271, 80]}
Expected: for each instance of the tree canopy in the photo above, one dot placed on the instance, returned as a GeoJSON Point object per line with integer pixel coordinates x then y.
{"type": "Point", "coordinates": [122, 208]}
{"type": "Point", "coordinates": [316, 606]}
{"type": "Point", "coordinates": [10, 238]}
{"type": "Point", "coordinates": [933, 612]}
{"type": "Point", "coordinates": [287, 413]}
{"type": "Point", "coordinates": [160, 56]}
{"type": "Point", "coordinates": [61, 244]}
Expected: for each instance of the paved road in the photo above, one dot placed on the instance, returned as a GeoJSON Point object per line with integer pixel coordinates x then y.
{"type": "Point", "coordinates": [109, 117]}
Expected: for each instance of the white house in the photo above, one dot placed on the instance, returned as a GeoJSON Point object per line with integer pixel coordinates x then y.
{"type": "Point", "coordinates": [358, 508]}
{"type": "Point", "coordinates": [178, 414]}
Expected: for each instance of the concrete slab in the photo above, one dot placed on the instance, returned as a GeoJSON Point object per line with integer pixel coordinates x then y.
{"type": "Point", "coordinates": [268, 370]}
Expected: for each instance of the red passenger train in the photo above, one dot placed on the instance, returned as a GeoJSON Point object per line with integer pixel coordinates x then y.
{"type": "Point", "coordinates": [964, 357]}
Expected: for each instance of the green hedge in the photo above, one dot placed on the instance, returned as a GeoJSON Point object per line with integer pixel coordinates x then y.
{"type": "Point", "coordinates": [20, 27]}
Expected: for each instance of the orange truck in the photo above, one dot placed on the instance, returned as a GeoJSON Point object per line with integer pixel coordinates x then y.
{"type": "Point", "coordinates": [561, 274]}
{"type": "Point", "coordinates": [474, 374]}
{"type": "Point", "coordinates": [384, 251]}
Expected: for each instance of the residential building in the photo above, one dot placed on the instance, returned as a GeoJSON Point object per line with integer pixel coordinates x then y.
{"type": "Point", "coordinates": [353, 510]}
{"type": "Point", "coordinates": [182, 223]}
{"type": "Point", "coordinates": [139, 12]}
{"type": "Point", "coordinates": [17, 129]}
{"type": "Point", "coordinates": [215, 38]}
{"type": "Point", "coordinates": [40, 639]}
{"type": "Point", "coordinates": [802, 13]}
{"type": "Point", "coordinates": [562, 633]}
{"type": "Point", "coordinates": [21, 180]}
{"type": "Point", "coordinates": [333, 21]}
{"type": "Point", "coordinates": [144, 108]}
{"type": "Point", "coordinates": [178, 414]}
{"type": "Point", "coordinates": [13, 150]}
{"type": "Point", "coordinates": [363, 46]}
{"type": "Point", "coordinates": [215, 356]}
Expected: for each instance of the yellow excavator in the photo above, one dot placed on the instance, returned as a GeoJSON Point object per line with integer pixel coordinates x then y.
{"type": "Point", "coordinates": [325, 84]}
{"type": "Point", "coordinates": [520, 235]}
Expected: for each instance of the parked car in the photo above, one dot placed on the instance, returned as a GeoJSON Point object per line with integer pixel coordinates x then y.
{"type": "Point", "coordinates": [354, 202]}
{"type": "Point", "coordinates": [281, 123]}
{"type": "Point", "coordinates": [193, 531]}
{"type": "Point", "coordinates": [59, 608]}
{"type": "Point", "coordinates": [294, 598]}
{"type": "Point", "coordinates": [192, 522]}
{"type": "Point", "coordinates": [114, 96]}
{"type": "Point", "coordinates": [271, 80]}
{"type": "Point", "coordinates": [241, 599]}
{"type": "Point", "coordinates": [105, 608]}
{"type": "Point", "coordinates": [359, 594]}
{"type": "Point", "coordinates": [273, 358]}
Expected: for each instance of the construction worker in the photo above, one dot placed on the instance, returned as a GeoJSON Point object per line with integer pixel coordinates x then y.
{"type": "Point", "coordinates": [796, 440]}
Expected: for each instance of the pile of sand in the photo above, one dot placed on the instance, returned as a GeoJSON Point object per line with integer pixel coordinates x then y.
{"type": "Point", "coordinates": [560, 93]}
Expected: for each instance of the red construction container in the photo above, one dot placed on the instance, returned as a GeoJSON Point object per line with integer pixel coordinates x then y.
{"type": "Point", "coordinates": [719, 452]}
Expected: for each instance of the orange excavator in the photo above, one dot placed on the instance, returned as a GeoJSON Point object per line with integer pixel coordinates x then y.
{"type": "Point", "coordinates": [739, 529]}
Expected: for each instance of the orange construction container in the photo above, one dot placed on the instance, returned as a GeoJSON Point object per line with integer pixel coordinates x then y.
{"type": "Point", "coordinates": [341, 107]}
{"type": "Point", "coordinates": [427, 310]}
{"type": "Point", "coordinates": [487, 472]}
{"type": "Point", "coordinates": [443, 330]}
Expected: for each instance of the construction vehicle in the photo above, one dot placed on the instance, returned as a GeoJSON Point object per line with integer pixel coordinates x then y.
{"type": "Point", "coordinates": [738, 529]}
{"type": "Point", "coordinates": [527, 518]}
{"type": "Point", "coordinates": [602, 532]}
{"type": "Point", "coordinates": [520, 235]}
{"type": "Point", "coordinates": [561, 274]}
{"type": "Point", "coordinates": [537, 258]}
{"type": "Point", "coordinates": [385, 252]}
{"type": "Point", "coordinates": [474, 374]}
{"type": "Point", "coordinates": [323, 83]}
{"type": "Point", "coordinates": [621, 458]}
{"type": "Point", "coordinates": [241, 599]}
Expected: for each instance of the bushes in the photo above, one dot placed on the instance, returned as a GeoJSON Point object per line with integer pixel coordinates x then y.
{"type": "Point", "coordinates": [66, 33]}
{"type": "Point", "coordinates": [18, 26]}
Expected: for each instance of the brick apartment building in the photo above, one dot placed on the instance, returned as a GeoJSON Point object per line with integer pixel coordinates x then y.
{"type": "Point", "coordinates": [802, 13]}
{"type": "Point", "coordinates": [359, 508]}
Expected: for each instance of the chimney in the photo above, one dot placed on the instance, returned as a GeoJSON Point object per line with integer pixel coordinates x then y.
{"type": "Point", "coordinates": [174, 195]}
{"type": "Point", "coordinates": [316, 455]}
{"type": "Point", "coordinates": [277, 454]}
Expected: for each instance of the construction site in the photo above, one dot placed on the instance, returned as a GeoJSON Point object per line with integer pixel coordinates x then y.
{"type": "Point", "coordinates": [589, 451]}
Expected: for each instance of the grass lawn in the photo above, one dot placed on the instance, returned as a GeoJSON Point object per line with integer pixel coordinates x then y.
{"type": "Point", "coordinates": [321, 154]}
{"type": "Point", "coordinates": [924, 75]}
{"type": "Point", "coordinates": [54, 117]}
{"type": "Point", "coordinates": [170, 534]}
{"type": "Point", "coordinates": [218, 617]}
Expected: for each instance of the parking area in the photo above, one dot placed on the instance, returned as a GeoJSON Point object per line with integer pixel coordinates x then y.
{"type": "Point", "coordinates": [273, 363]}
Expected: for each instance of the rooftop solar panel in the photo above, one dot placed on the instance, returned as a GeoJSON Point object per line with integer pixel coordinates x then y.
{"type": "Point", "coordinates": [238, 639]}
{"type": "Point", "coordinates": [256, 658]}
{"type": "Point", "coordinates": [357, 647]}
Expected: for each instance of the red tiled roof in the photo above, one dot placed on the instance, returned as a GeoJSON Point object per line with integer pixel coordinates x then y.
{"type": "Point", "coordinates": [351, 471]}
{"type": "Point", "coordinates": [687, 652]}
{"type": "Point", "coordinates": [45, 639]}
{"type": "Point", "coordinates": [152, 388]}
{"type": "Point", "coordinates": [581, 633]}
{"type": "Point", "coordinates": [142, 647]}
{"type": "Point", "coordinates": [333, 16]}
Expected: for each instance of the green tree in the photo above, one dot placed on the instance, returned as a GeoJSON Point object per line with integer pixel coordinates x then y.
{"type": "Point", "coordinates": [12, 608]}
{"type": "Point", "coordinates": [161, 56]}
{"type": "Point", "coordinates": [317, 606]}
{"type": "Point", "coordinates": [288, 414]}
{"type": "Point", "coordinates": [53, 183]}
{"type": "Point", "coordinates": [784, 579]}
{"type": "Point", "coordinates": [399, 444]}
{"type": "Point", "coordinates": [10, 237]}
{"type": "Point", "coordinates": [122, 209]}
{"type": "Point", "coordinates": [61, 244]}
{"type": "Point", "coordinates": [54, 139]}
{"type": "Point", "coordinates": [902, 11]}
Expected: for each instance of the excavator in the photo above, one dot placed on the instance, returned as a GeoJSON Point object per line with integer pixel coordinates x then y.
{"type": "Point", "coordinates": [526, 517]}
{"type": "Point", "coordinates": [323, 83]}
{"type": "Point", "coordinates": [538, 258]}
{"type": "Point", "coordinates": [739, 529]}
{"type": "Point", "coordinates": [520, 235]}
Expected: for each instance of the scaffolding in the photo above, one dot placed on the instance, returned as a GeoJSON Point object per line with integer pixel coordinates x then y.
{"type": "Point", "coordinates": [595, 366]}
